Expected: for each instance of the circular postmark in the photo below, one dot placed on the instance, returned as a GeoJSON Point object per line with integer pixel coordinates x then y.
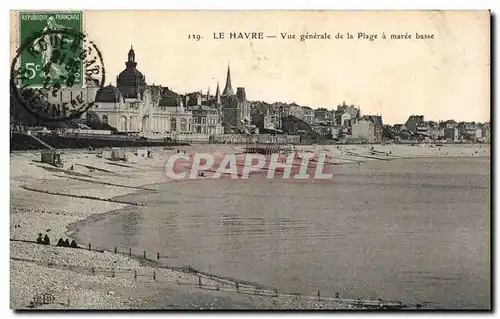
{"type": "Point", "coordinates": [49, 71]}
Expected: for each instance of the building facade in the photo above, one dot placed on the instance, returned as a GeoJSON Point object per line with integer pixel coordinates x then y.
{"type": "Point", "coordinates": [134, 107]}
{"type": "Point", "coordinates": [364, 130]}
{"type": "Point", "coordinates": [308, 114]}
{"type": "Point", "coordinates": [235, 108]}
{"type": "Point", "coordinates": [137, 108]}
{"type": "Point", "coordinates": [368, 128]}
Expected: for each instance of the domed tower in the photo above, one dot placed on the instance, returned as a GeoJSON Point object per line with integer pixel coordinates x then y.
{"type": "Point", "coordinates": [130, 81]}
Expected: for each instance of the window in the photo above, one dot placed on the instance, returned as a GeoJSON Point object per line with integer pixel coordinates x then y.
{"type": "Point", "coordinates": [173, 125]}
{"type": "Point", "coordinates": [183, 125]}
{"type": "Point", "coordinates": [123, 123]}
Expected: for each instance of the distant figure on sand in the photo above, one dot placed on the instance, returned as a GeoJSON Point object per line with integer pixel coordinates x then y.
{"type": "Point", "coordinates": [39, 240]}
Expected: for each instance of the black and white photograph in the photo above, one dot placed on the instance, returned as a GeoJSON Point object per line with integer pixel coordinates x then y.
{"type": "Point", "coordinates": [250, 160]}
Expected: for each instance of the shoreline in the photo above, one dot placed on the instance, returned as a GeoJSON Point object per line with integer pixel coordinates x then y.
{"type": "Point", "coordinates": [127, 299]}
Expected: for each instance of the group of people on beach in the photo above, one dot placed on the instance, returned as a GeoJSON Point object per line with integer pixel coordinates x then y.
{"type": "Point", "coordinates": [45, 240]}
{"type": "Point", "coordinates": [66, 243]}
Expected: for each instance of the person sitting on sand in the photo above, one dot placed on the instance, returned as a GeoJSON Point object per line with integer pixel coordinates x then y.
{"type": "Point", "coordinates": [60, 242]}
{"type": "Point", "coordinates": [46, 240]}
{"type": "Point", "coordinates": [39, 240]}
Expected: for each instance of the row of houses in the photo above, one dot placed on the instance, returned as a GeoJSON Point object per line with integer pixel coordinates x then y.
{"type": "Point", "coordinates": [450, 130]}
{"type": "Point", "coordinates": [347, 123]}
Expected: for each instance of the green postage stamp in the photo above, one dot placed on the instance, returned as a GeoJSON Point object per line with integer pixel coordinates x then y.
{"type": "Point", "coordinates": [50, 44]}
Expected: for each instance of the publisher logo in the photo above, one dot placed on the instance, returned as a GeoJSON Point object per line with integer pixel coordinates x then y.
{"type": "Point", "coordinates": [43, 299]}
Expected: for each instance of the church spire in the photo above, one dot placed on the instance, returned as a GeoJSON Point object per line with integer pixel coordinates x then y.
{"type": "Point", "coordinates": [217, 94]}
{"type": "Point", "coordinates": [228, 90]}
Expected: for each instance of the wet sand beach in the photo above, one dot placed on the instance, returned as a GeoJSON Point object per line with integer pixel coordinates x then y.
{"type": "Point", "coordinates": [67, 273]}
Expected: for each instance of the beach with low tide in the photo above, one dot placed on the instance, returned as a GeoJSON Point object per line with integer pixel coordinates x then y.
{"type": "Point", "coordinates": [157, 243]}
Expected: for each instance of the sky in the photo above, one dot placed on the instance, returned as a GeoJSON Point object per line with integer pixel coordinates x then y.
{"type": "Point", "coordinates": [443, 78]}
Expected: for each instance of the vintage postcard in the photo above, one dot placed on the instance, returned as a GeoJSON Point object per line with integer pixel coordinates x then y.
{"type": "Point", "coordinates": [250, 160]}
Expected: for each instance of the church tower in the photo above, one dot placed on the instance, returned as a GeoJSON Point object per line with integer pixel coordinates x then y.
{"type": "Point", "coordinates": [228, 90]}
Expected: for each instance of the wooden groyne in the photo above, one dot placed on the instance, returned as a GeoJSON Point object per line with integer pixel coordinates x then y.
{"type": "Point", "coordinates": [83, 196]}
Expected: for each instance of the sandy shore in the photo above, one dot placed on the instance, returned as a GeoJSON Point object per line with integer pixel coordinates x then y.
{"type": "Point", "coordinates": [83, 279]}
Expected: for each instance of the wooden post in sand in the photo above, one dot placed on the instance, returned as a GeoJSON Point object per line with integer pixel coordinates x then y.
{"type": "Point", "coordinates": [319, 295]}
{"type": "Point", "coordinates": [130, 252]}
{"type": "Point", "coordinates": [154, 275]}
{"type": "Point", "coordinates": [199, 281]}
{"type": "Point", "coordinates": [158, 256]}
{"type": "Point", "coordinates": [90, 246]}
{"type": "Point", "coordinates": [115, 250]}
{"type": "Point", "coordinates": [144, 253]}
{"type": "Point", "coordinates": [135, 274]}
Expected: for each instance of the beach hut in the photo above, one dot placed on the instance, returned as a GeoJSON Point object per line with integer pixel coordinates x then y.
{"type": "Point", "coordinates": [51, 157]}
{"type": "Point", "coordinates": [107, 154]}
{"type": "Point", "coordinates": [118, 154]}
